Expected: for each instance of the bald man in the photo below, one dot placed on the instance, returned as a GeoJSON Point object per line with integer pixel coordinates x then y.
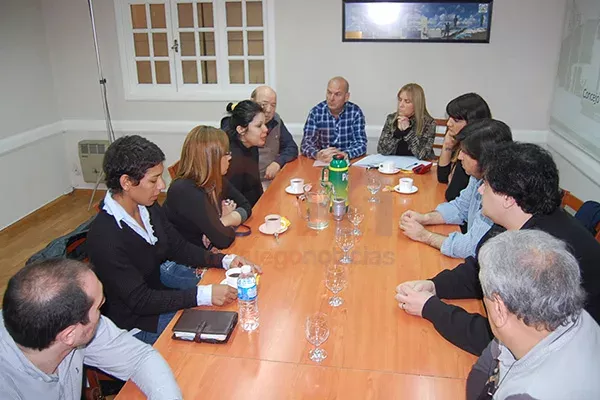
{"type": "Point", "coordinates": [280, 147]}
{"type": "Point", "coordinates": [335, 126]}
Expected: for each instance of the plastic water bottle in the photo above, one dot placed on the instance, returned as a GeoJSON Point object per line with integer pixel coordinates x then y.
{"type": "Point", "coordinates": [247, 299]}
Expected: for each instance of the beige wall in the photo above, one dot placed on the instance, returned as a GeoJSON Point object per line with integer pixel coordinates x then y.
{"type": "Point", "coordinates": [33, 174]}
{"type": "Point", "coordinates": [27, 98]}
{"type": "Point", "coordinates": [514, 72]}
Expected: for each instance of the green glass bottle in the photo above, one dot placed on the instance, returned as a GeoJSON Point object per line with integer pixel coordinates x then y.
{"type": "Point", "coordinates": [338, 173]}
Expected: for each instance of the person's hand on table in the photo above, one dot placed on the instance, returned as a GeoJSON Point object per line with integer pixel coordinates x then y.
{"type": "Point", "coordinates": [222, 295]}
{"type": "Point", "coordinates": [412, 301]}
{"type": "Point", "coordinates": [411, 215]}
{"type": "Point", "coordinates": [327, 154]}
{"type": "Point", "coordinates": [418, 286]}
{"type": "Point", "coordinates": [238, 261]}
{"type": "Point", "coordinates": [272, 170]}
{"type": "Point", "coordinates": [414, 230]}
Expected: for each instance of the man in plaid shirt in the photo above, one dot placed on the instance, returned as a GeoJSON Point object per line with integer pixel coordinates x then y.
{"type": "Point", "coordinates": [335, 126]}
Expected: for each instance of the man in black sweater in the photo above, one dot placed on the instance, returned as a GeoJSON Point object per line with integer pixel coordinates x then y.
{"type": "Point", "coordinates": [131, 237]}
{"type": "Point", "coordinates": [520, 191]}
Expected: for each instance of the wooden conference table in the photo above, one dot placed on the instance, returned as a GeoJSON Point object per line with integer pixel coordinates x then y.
{"type": "Point", "coordinates": [375, 350]}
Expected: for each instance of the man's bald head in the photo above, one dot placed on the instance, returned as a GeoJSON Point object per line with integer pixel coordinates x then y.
{"type": "Point", "coordinates": [267, 98]}
{"type": "Point", "coordinates": [340, 80]}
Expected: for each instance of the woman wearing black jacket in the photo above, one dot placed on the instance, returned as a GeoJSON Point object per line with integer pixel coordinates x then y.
{"type": "Point", "coordinates": [203, 206]}
{"type": "Point", "coordinates": [247, 132]}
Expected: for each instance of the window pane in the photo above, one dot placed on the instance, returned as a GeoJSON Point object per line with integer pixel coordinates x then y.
{"type": "Point", "coordinates": [157, 15]}
{"type": "Point", "coordinates": [209, 72]}
{"type": "Point", "coordinates": [161, 48]}
{"type": "Point", "coordinates": [234, 14]}
{"type": "Point", "coordinates": [205, 15]}
{"type": "Point", "coordinates": [163, 74]}
{"type": "Point", "coordinates": [236, 72]}
{"type": "Point", "coordinates": [235, 43]}
{"type": "Point", "coordinates": [256, 69]}
{"type": "Point", "coordinates": [144, 72]}
{"type": "Point", "coordinates": [138, 16]}
{"type": "Point", "coordinates": [255, 43]}
{"type": "Point", "coordinates": [254, 15]}
{"type": "Point", "coordinates": [190, 72]}
{"type": "Point", "coordinates": [142, 46]}
{"type": "Point", "coordinates": [185, 14]}
{"type": "Point", "coordinates": [188, 43]}
{"type": "Point", "coordinates": [207, 43]}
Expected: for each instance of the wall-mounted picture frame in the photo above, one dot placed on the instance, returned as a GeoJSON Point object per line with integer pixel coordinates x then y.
{"type": "Point", "coordinates": [417, 21]}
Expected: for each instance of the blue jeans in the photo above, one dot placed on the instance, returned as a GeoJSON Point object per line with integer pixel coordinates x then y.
{"type": "Point", "coordinates": [177, 276]}
{"type": "Point", "coordinates": [151, 337]}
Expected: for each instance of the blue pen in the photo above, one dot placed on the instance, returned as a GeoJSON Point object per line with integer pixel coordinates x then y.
{"type": "Point", "coordinates": [411, 165]}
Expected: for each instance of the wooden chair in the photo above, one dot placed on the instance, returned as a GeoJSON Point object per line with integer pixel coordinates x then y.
{"type": "Point", "coordinates": [93, 389]}
{"type": "Point", "coordinates": [440, 132]}
{"type": "Point", "coordinates": [571, 201]}
{"type": "Point", "coordinates": [173, 170]}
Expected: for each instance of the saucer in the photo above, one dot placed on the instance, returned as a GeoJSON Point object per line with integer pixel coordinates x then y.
{"type": "Point", "coordinates": [414, 189]}
{"type": "Point", "coordinates": [392, 172]}
{"type": "Point", "coordinates": [290, 191]}
{"type": "Point", "coordinates": [263, 228]}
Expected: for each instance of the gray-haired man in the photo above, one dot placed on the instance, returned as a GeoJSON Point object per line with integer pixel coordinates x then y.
{"type": "Point", "coordinates": [546, 344]}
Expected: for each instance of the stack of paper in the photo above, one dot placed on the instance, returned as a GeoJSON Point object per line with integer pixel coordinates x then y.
{"type": "Point", "coordinates": [401, 162]}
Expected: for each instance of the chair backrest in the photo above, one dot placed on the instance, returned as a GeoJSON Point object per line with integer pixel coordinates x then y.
{"type": "Point", "coordinates": [173, 170]}
{"type": "Point", "coordinates": [440, 132]}
{"type": "Point", "coordinates": [571, 201]}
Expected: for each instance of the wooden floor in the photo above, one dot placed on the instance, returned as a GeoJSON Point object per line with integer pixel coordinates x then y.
{"type": "Point", "coordinates": [32, 233]}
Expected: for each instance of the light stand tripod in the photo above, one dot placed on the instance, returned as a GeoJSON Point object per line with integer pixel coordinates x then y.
{"type": "Point", "coordinates": [102, 80]}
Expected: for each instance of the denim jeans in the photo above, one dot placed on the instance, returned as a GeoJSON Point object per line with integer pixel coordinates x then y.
{"type": "Point", "coordinates": [177, 276]}
{"type": "Point", "coordinates": [151, 337]}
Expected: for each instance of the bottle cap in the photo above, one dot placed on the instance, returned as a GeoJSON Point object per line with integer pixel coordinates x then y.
{"type": "Point", "coordinates": [246, 269]}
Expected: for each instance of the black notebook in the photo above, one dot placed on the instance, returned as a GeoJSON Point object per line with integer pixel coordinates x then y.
{"type": "Point", "coordinates": [205, 325]}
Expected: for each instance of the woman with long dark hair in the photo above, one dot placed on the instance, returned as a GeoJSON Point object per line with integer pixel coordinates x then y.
{"type": "Point", "coordinates": [461, 111]}
{"type": "Point", "coordinates": [247, 131]}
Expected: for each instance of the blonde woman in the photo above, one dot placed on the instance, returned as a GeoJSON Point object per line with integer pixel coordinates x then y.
{"type": "Point", "coordinates": [202, 205]}
{"type": "Point", "coordinates": [410, 131]}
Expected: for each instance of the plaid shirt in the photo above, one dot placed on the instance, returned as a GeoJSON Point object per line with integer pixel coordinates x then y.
{"type": "Point", "coordinates": [347, 132]}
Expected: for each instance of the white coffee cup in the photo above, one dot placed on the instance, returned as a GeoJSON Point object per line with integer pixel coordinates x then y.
{"type": "Point", "coordinates": [231, 276]}
{"type": "Point", "coordinates": [406, 184]}
{"type": "Point", "coordinates": [297, 185]}
{"type": "Point", "coordinates": [387, 166]}
{"type": "Point", "coordinates": [272, 223]}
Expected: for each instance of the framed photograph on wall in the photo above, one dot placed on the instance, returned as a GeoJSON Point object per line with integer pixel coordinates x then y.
{"type": "Point", "coordinates": [416, 21]}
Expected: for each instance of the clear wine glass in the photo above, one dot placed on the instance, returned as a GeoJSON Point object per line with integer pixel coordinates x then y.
{"type": "Point", "coordinates": [355, 216]}
{"type": "Point", "coordinates": [317, 332]}
{"type": "Point", "coordinates": [373, 185]}
{"type": "Point", "coordinates": [345, 239]}
{"type": "Point", "coordinates": [336, 280]}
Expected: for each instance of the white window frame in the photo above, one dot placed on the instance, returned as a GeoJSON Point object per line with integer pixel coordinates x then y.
{"type": "Point", "coordinates": [176, 90]}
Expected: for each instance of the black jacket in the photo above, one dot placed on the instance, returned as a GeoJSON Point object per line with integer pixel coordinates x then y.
{"type": "Point", "coordinates": [129, 269]}
{"type": "Point", "coordinates": [459, 181]}
{"type": "Point", "coordinates": [243, 170]}
{"type": "Point", "coordinates": [189, 209]}
{"type": "Point", "coordinates": [471, 332]}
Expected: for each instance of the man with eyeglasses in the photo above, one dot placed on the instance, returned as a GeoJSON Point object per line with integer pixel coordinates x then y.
{"type": "Point", "coordinates": [546, 345]}
{"type": "Point", "coordinates": [280, 148]}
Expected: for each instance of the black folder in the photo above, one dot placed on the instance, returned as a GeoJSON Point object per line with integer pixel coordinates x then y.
{"type": "Point", "coordinates": [205, 326]}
